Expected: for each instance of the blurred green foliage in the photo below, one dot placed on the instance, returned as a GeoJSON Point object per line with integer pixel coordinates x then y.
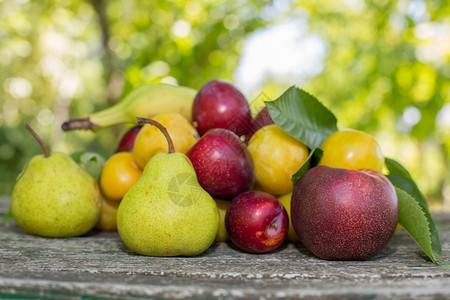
{"type": "Point", "coordinates": [386, 69]}
{"type": "Point", "coordinates": [387, 72]}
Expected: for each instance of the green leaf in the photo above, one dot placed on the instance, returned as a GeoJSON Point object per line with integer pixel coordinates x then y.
{"type": "Point", "coordinates": [91, 157]}
{"type": "Point", "coordinates": [395, 167]}
{"type": "Point", "coordinates": [313, 160]}
{"type": "Point", "coordinates": [413, 219]}
{"type": "Point", "coordinates": [401, 179]}
{"type": "Point", "coordinates": [8, 216]}
{"type": "Point", "coordinates": [90, 161]}
{"type": "Point", "coordinates": [302, 116]}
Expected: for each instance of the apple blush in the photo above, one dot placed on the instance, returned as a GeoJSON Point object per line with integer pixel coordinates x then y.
{"type": "Point", "coordinates": [256, 222]}
{"type": "Point", "coordinates": [219, 104]}
{"type": "Point", "coordinates": [126, 143]}
{"type": "Point", "coordinates": [262, 119]}
{"type": "Point", "coordinates": [343, 214]}
{"type": "Point", "coordinates": [223, 164]}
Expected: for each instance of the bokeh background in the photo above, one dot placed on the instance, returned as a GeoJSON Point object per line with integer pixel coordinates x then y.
{"type": "Point", "coordinates": [381, 66]}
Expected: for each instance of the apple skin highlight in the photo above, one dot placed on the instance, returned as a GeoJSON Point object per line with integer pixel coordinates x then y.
{"type": "Point", "coordinates": [343, 214]}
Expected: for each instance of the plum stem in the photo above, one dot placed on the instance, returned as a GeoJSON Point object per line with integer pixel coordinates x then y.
{"type": "Point", "coordinates": [160, 127]}
{"type": "Point", "coordinates": [39, 139]}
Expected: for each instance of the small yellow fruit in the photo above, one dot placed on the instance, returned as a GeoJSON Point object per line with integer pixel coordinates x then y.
{"type": "Point", "coordinates": [119, 174]}
{"type": "Point", "coordinates": [352, 149]}
{"type": "Point", "coordinates": [286, 201]}
{"type": "Point", "coordinates": [276, 156]}
{"type": "Point", "coordinates": [151, 141]}
{"type": "Point", "coordinates": [108, 213]}
{"type": "Point", "coordinates": [222, 234]}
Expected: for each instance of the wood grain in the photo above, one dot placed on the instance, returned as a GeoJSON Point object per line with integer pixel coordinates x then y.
{"type": "Point", "coordinates": [99, 265]}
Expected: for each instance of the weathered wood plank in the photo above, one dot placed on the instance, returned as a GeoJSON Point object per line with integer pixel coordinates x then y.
{"type": "Point", "coordinates": [99, 265]}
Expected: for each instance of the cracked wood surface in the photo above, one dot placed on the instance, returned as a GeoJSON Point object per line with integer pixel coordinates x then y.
{"type": "Point", "coordinates": [99, 265]}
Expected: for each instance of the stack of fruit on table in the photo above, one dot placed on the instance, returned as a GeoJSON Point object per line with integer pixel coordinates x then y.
{"type": "Point", "coordinates": [197, 168]}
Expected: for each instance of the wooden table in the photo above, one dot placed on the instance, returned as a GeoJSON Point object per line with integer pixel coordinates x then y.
{"type": "Point", "coordinates": [99, 265]}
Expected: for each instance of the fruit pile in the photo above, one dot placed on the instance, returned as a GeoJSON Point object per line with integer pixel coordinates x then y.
{"type": "Point", "coordinates": [197, 169]}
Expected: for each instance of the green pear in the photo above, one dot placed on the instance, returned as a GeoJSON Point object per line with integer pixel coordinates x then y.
{"type": "Point", "coordinates": [166, 212]}
{"type": "Point", "coordinates": [55, 197]}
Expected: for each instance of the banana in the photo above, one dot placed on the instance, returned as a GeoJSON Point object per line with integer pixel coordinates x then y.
{"type": "Point", "coordinates": [143, 101]}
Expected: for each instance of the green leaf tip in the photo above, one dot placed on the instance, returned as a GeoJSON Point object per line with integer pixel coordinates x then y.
{"type": "Point", "coordinates": [402, 180]}
{"type": "Point", "coordinates": [302, 116]}
{"type": "Point", "coordinates": [413, 220]}
{"type": "Point", "coordinates": [8, 216]}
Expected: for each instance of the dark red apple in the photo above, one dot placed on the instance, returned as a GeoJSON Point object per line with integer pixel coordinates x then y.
{"type": "Point", "coordinates": [219, 104]}
{"type": "Point", "coordinates": [223, 164]}
{"type": "Point", "coordinates": [343, 214]}
{"type": "Point", "coordinates": [262, 119]}
{"type": "Point", "coordinates": [127, 141]}
{"type": "Point", "coordinates": [256, 222]}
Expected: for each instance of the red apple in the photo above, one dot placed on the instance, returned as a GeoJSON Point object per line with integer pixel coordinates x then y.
{"type": "Point", "coordinates": [256, 222]}
{"type": "Point", "coordinates": [127, 141]}
{"type": "Point", "coordinates": [343, 214]}
{"type": "Point", "coordinates": [223, 164]}
{"type": "Point", "coordinates": [262, 119]}
{"type": "Point", "coordinates": [219, 104]}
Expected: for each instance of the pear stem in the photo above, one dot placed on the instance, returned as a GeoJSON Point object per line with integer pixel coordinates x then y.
{"type": "Point", "coordinates": [39, 139]}
{"type": "Point", "coordinates": [160, 127]}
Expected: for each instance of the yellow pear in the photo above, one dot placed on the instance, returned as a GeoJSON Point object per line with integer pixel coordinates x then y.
{"type": "Point", "coordinates": [55, 197]}
{"type": "Point", "coordinates": [167, 212]}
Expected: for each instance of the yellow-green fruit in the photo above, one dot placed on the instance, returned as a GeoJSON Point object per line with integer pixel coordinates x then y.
{"type": "Point", "coordinates": [222, 234]}
{"type": "Point", "coordinates": [276, 157]}
{"type": "Point", "coordinates": [144, 101]}
{"type": "Point", "coordinates": [352, 149]}
{"type": "Point", "coordinates": [118, 175]}
{"type": "Point", "coordinates": [107, 220]}
{"type": "Point", "coordinates": [167, 212]}
{"type": "Point", "coordinates": [55, 197]}
{"type": "Point", "coordinates": [286, 201]}
{"type": "Point", "coordinates": [151, 141]}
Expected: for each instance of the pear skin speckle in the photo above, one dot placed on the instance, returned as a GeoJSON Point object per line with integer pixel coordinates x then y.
{"type": "Point", "coordinates": [167, 213]}
{"type": "Point", "coordinates": [55, 197]}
